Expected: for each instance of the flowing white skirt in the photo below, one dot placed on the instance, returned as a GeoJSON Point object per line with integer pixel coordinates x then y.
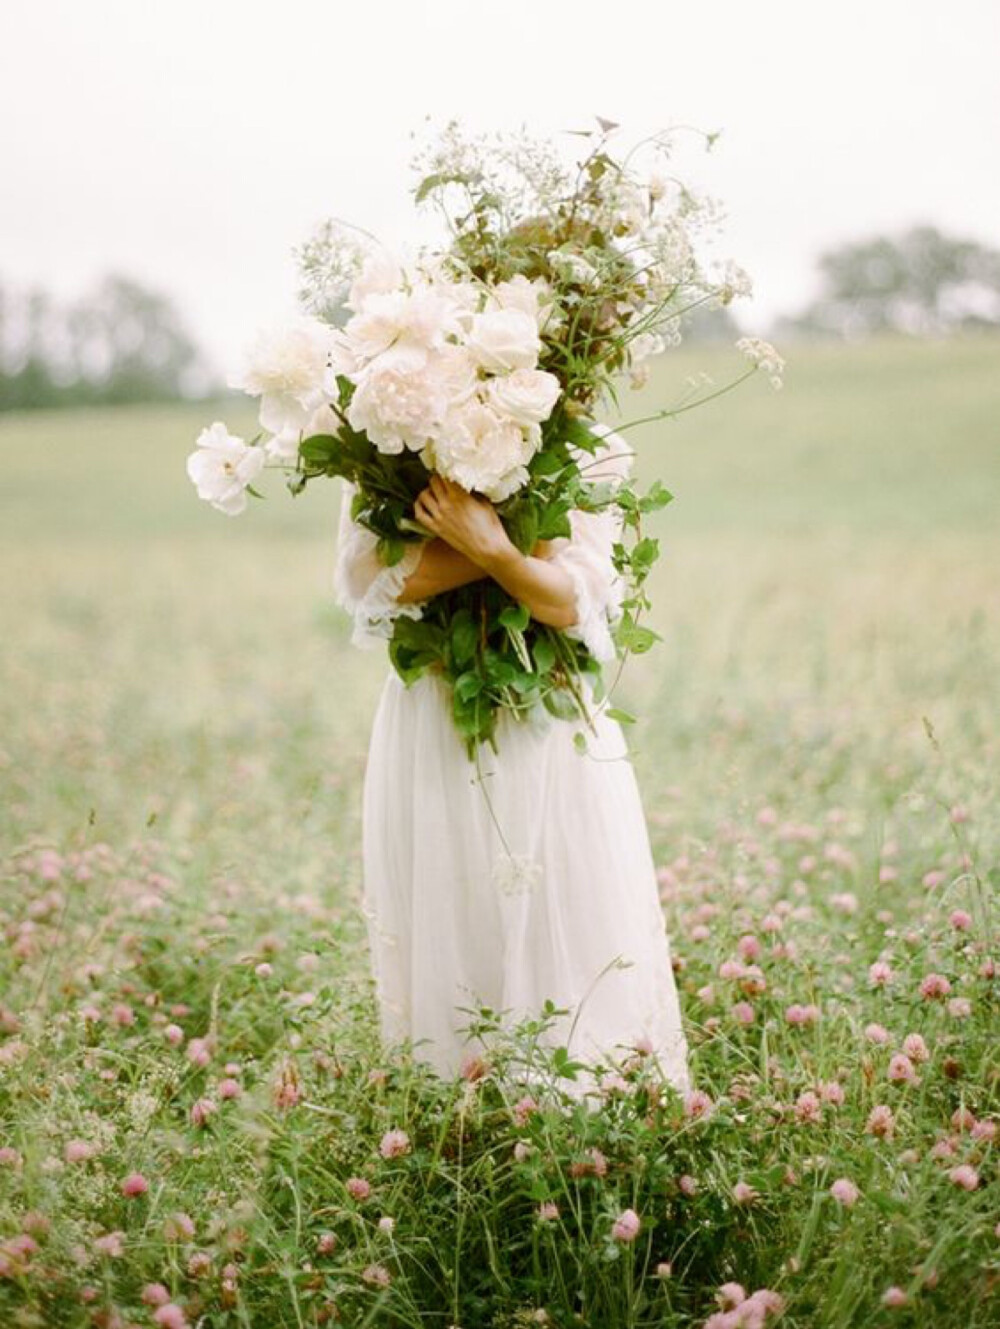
{"type": "Point", "coordinates": [455, 922]}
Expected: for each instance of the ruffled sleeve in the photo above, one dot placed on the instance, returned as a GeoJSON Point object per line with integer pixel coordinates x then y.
{"type": "Point", "coordinates": [586, 554]}
{"type": "Point", "coordinates": [364, 585]}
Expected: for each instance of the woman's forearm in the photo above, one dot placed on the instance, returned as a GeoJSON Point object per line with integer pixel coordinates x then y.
{"type": "Point", "coordinates": [547, 590]}
{"type": "Point", "coordinates": [441, 568]}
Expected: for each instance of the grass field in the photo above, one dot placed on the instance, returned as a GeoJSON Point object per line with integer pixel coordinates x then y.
{"type": "Point", "coordinates": [183, 729]}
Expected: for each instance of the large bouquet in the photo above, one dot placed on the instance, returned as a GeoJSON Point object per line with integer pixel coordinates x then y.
{"type": "Point", "coordinates": [486, 359]}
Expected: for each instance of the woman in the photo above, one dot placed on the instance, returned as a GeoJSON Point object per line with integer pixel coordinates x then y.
{"type": "Point", "coordinates": [532, 877]}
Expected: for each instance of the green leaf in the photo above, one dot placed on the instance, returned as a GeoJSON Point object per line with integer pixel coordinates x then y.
{"type": "Point", "coordinates": [634, 637]}
{"type": "Point", "coordinates": [580, 741]}
{"type": "Point", "coordinates": [544, 654]}
{"type": "Point", "coordinates": [515, 616]}
{"type": "Point", "coordinates": [320, 450]}
{"type": "Point", "coordinates": [616, 713]}
{"type": "Point", "coordinates": [463, 637]}
{"type": "Point", "coordinates": [390, 550]}
{"type": "Point", "coordinates": [657, 497]}
{"type": "Point", "coordinates": [560, 703]}
{"type": "Point", "coordinates": [467, 686]}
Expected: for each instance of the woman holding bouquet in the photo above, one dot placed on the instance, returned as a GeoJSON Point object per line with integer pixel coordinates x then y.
{"type": "Point", "coordinates": [546, 887]}
{"type": "Point", "coordinates": [492, 535]}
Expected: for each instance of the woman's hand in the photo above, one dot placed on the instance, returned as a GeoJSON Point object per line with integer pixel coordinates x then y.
{"type": "Point", "coordinates": [468, 522]}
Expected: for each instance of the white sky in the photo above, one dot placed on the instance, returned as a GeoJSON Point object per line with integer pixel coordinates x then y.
{"type": "Point", "coordinates": [190, 144]}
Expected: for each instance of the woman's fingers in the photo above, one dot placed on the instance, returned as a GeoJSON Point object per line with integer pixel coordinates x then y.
{"type": "Point", "coordinates": [425, 508]}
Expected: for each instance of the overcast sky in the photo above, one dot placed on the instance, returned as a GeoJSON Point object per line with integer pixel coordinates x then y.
{"type": "Point", "coordinates": [191, 144]}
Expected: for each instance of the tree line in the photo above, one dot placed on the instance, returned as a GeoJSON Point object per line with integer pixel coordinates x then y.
{"type": "Point", "coordinates": [121, 342]}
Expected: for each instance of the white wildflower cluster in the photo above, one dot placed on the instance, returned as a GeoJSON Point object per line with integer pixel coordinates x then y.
{"type": "Point", "coordinates": [764, 356]}
{"type": "Point", "coordinates": [523, 174]}
{"type": "Point", "coordinates": [328, 262]}
{"type": "Point", "coordinates": [448, 368]}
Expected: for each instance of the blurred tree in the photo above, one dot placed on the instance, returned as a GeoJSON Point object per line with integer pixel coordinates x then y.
{"type": "Point", "coordinates": [710, 325]}
{"type": "Point", "coordinates": [121, 343]}
{"type": "Point", "coordinates": [921, 282]}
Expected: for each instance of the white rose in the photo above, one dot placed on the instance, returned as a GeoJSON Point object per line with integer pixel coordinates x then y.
{"type": "Point", "coordinates": [527, 396]}
{"type": "Point", "coordinates": [504, 339]}
{"type": "Point", "coordinates": [222, 466]}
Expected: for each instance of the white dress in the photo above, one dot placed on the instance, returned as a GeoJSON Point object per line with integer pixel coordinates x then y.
{"type": "Point", "coordinates": [564, 903]}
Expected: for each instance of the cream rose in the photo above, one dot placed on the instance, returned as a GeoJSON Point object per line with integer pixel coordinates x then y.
{"type": "Point", "coordinates": [527, 396]}
{"type": "Point", "coordinates": [504, 339]}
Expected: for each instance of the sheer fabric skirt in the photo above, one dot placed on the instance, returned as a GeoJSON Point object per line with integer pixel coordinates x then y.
{"type": "Point", "coordinates": [568, 910]}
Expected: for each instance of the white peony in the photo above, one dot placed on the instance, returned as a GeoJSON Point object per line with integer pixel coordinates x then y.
{"type": "Point", "coordinates": [380, 272]}
{"type": "Point", "coordinates": [222, 466]}
{"type": "Point", "coordinates": [481, 450]}
{"type": "Point", "coordinates": [286, 367]}
{"type": "Point", "coordinates": [402, 397]}
{"type": "Point", "coordinates": [419, 320]}
{"type": "Point", "coordinates": [527, 396]}
{"type": "Point", "coordinates": [504, 339]}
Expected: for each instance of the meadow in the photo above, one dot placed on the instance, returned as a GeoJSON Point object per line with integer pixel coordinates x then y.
{"type": "Point", "coordinates": [198, 1125]}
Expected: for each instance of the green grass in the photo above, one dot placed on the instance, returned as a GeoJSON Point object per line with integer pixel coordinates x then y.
{"type": "Point", "coordinates": [177, 687]}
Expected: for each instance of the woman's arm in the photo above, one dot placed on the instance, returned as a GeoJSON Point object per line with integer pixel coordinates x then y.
{"type": "Point", "coordinates": [441, 568]}
{"type": "Point", "coordinates": [470, 525]}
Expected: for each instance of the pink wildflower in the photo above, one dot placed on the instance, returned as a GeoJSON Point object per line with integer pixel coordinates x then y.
{"type": "Point", "coordinates": [523, 1109]}
{"type": "Point", "coordinates": [964, 1176]}
{"type": "Point", "coordinates": [358, 1188]}
{"type": "Point", "coordinates": [111, 1244]}
{"type": "Point", "coordinates": [934, 985]}
{"type": "Point", "coordinates": [730, 1295]}
{"type": "Point", "coordinates": [394, 1144]}
{"type": "Point", "coordinates": [749, 947]}
{"type": "Point", "coordinates": [626, 1226]}
{"type": "Point", "coordinates": [697, 1103]}
{"type": "Point", "coordinates": [808, 1108]}
{"type": "Point", "coordinates": [170, 1316]}
{"type": "Point", "coordinates": [901, 1069]}
{"type": "Point", "coordinates": [202, 1109]}
{"type": "Point", "coordinates": [844, 1192]}
{"type": "Point", "coordinates": [915, 1047]}
{"type": "Point", "coordinates": [832, 1092]}
{"type": "Point", "coordinates": [798, 1014]}
{"type": "Point", "coordinates": [881, 1122]}
{"type": "Point", "coordinates": [134, 1184]}
{"type": "Point", "coordinates": [178, 1227]}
